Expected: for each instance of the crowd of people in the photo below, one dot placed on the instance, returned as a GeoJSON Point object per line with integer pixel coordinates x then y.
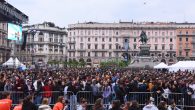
{"type": "Point", "coordinates": [121, 88]}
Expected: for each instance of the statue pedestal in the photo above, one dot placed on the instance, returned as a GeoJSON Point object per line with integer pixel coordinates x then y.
{"type": "Point", "coordinates": [144, 60]}
{"type": "Point", "coordinates": [144, 50]}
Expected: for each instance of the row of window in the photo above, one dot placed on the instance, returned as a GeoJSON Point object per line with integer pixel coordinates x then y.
{"type": "Point", "coordinates": [110, 32]}
{"type": "Point", "coordinates": [116, 39]}
{"type": "Point", "coordinates": [92, 33]}
{"type": "Point", "coordinates": [96, 54]}
{"type": "Point", "coordinates": [118, 46]}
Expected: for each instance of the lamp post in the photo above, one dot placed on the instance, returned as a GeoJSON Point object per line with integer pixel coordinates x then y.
{"type": "Point", "coordinates": [33, 32]}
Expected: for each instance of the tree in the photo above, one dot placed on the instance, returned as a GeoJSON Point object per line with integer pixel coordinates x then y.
{"type": "Point", "coordinates": [69, 63]}
{"type": "Point", "coordinates": [65, 63]}
{"type": "Point", "coordinates": [82, 62]}
{"type": "Point", "coordinates": [75, 63]}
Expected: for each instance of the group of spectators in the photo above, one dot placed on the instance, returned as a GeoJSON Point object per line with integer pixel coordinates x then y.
{"type": "Point", "coordinates": [123, 85]}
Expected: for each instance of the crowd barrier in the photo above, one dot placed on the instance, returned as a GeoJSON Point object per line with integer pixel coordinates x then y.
{"type": "Point", "coordinates": [182, 100]}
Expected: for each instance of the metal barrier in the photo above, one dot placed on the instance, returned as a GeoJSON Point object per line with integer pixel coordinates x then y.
{"type": "Point", "coordinates": [181, 100]}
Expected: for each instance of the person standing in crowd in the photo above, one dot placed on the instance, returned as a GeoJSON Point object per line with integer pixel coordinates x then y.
{"type": "Point", "coordinates": [162, 105]}
{"type": "Point", "coordinates": [8, 85]}
{"type": "Point", "coordinates": [83, 104]}
{"type": "Point", "coordinates": [119, 91]}
{"type": "Point", "coordinates": [59, 104]}
{"type": "Point", "coordinates": [98, 104]}
{"type": "Point", "coordinates": [19, 106]}
{"type": "Point", "coordinates": [172, 106]}
{"type": "Point", "coordinates": [45, 105]}
{"type": "Point", "coordinates": [106, 93]}
{"type": "Point", "coordinates": [38, 84]}
{"type": "Point", "coordinates": [47, 90]}
{"type": "Point", "coordinates": [150, 106]}
{"type": "Point", "coordinates": [127, 106]}
{"type": "Point", "coordinates": [115, 105]}
{"type": "Point", "coordinates": [5, 102]}
{"type": "Point", "coordinates": [28, 103]}
{"type": "Point", "coordinates": [134, 105]}
{"type": "Point", "coordinates": [2, 81]}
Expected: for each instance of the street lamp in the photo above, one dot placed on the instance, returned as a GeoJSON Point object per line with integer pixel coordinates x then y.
{"type": "Point", "coordinates": [33, 32]}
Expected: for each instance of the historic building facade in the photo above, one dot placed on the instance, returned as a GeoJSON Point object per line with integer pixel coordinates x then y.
{"type": "Point", "coordinates": [5, 46]}
{"type": "Point", "coordinates": [185, 41]}
{"type": "Point", "coordinates": [96, 42]}
{"type": "Point", "coordinates": [44, 42]}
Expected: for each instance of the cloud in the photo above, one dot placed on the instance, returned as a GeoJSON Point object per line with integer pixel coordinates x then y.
{"type": "Point", "coordinates": [64, 12]}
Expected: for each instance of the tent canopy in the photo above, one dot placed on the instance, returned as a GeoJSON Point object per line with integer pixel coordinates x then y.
{"type": "Point", "coordinates": [9, 62]}
{"type": "Point", "coordinates": [183, 65]}
{"type": "Point", "coordinates": [13, 62]}
{"type": "Point", "coordinates": [161, 65]}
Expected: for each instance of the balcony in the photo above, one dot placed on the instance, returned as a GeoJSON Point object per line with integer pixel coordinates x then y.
{"type": "Point", "coordinates": [187, 48]}
{"type": "Point", "coordinates": [100, 50]}
{"type": "Point", "coordinates": [81, 50]}
{"type": "Point", "coordinates": [71, 42]}
{"type": "Point", "coordinates": [71, 50]}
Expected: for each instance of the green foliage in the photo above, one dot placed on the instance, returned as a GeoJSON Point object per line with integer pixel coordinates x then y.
{"type": "Point", "coordinates": [114, 63]}
{"type": "Point", "coordinates": [82, 62]}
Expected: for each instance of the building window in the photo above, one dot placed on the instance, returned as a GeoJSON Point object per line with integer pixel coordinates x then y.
{"type": "Point", "coordinates": [89, 54]}
{"type": "Point", "coordinates": [171, 40]}
{"type": "Point", "coordinates": [103, 46]}
{"type": "Point", "coordinates": [81, 54]}
{"type": "Point", "coordinates": [163, 39]}
{"type": "Point", "coordinates": [96, 54]}
{"type": "Point", "coordinates": [96, 39]}
{"type": "Point", "coordinates": [180, 39]}
{"type": "Point", "coordinates": [81, 45]}
{"type": "Point", "coordinates": [110, 54]}
{"type": "Point", "coordinates": [81, 39]}
{"type": "Point", "coordinates": [186, 45]}
{"type": "Point", "coordinates": [171, 47]}
{"type": "Point", "coordinates": [156, 47]}
{"type": "Point", "coordinates": [171, 33]}
{"type": "Point", "coordinates": [117, 46]}
{"type": "Point", "coordinates": [96, 46]}
{"type": "Point", "coordinates": [110, 39]}
{"type": "Point", "coordinates": [102, 39]}
{"type": "Point", "coordinates": [180, 33]}
{"type": "Point", "coordinates": [134, 39]}
{"type": "Point", "coordinates": [116, 54]}
{"type": "Point", "coordinates": [180, 53]}
{"type": "Point", "coordinates": [186, 39]}
{"type": "Point", "coordinates": [163, 33]}
{"type": "Point", "coordinates": [134, 46]}
{"type": "Point", "coordinates": [70, 54]}
{"type": "Point", "coordinates": [116, 39]}
{"type": "Point", "coordinates": [148, 33]}
{"type": "Point", "coordinates": [89, 46]}
{"type": "Point", "coordinates": [89, 33]}
{"type": "Point", "coordinates": [163, 47]}
{"type": "Point", "coordinates": [110, 46]}
{"type": "Point", "coordinates": [116, 33]}
{"type": "Point", "coordinates": [89, 39]}
{"type": "Point", "coordinates": [103, 54]}
{"type": "Point", "coordinates": [156, 40]}
{"type": "Point", "coordinates": [155, 33]}
{"type": "Point", "coordinates": [186, 54]}
{"type": "Point", "coordinates": [187, 32]}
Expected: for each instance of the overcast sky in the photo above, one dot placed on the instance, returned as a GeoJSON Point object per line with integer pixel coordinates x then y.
{"type": "Point", "coordinates": [64, 12]}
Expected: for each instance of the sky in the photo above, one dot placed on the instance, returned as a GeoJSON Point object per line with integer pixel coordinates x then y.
{"type": "Point", "coordinates": [64, 12]}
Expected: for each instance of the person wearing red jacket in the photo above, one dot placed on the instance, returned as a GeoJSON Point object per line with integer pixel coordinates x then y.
{"type": "Point", "coordinates": [19, 106]}
{"type": "Point", "coordinates": [6, 102]}
{"type": "Point", "coordinates": [47, 90]}
{"type": "Point", "coordinates": [59, 104]}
